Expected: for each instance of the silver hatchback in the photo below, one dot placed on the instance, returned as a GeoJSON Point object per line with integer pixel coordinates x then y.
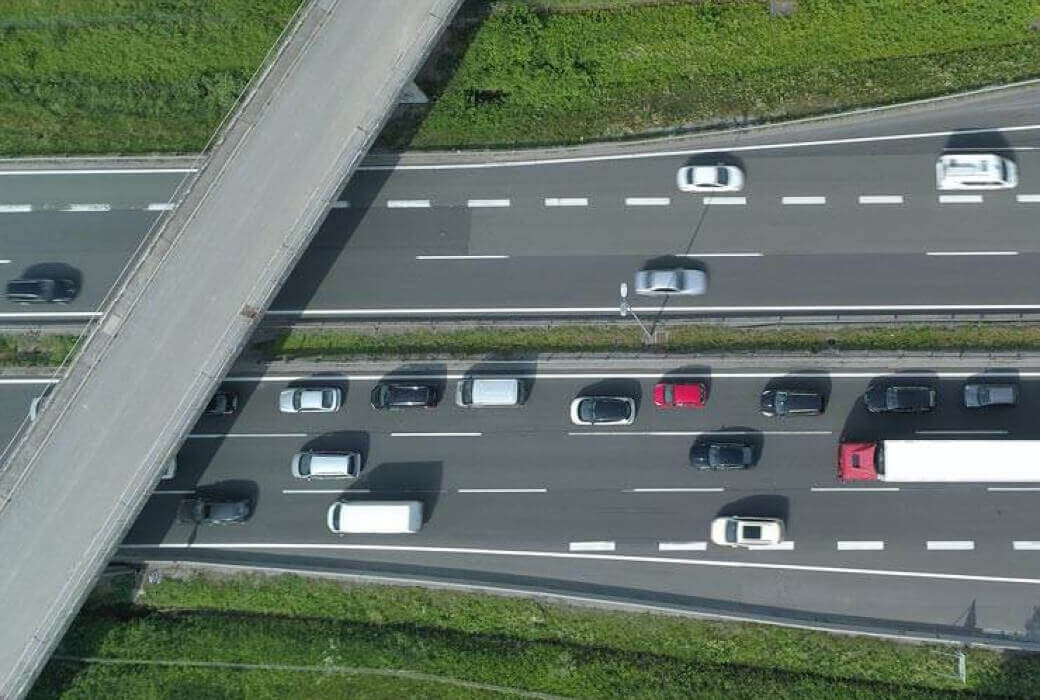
{"type": "Point", "coordinates": [310, 399]}
{"type": "Point", "coordinates": [668, 282]}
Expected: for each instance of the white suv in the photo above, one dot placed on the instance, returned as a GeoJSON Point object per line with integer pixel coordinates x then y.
{"type": "Point", "coordinates": [975, 171]}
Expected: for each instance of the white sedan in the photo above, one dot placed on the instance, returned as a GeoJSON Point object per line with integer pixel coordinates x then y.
{"type": "Point", "coordinates": [747, 532]}
{"type": "Point", "coordinates": [710, 178]}
{"type": "Point", "coordinates": [310, 399]}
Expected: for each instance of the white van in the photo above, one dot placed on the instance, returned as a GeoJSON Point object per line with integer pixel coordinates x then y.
{"type": "Point", "coordinates": [975, 171]}
{"type": "Point", "coordinates": [326, 465]}
{"type": "Point", "coordinates": [375, 517]}
{"type": "Point", "coordinates": [476, 393]}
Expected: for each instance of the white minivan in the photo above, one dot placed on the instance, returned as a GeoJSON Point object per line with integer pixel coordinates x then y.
{"type": "Point", "coordinates": [375, 517]}
{"type": "Point", "coordinates": [473, 392]}
{"type": "Point", "coordinates": [975, 171]}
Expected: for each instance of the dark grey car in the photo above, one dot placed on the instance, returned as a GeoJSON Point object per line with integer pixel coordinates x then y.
{"type": "Point", "coordinates": [983, 395]}
{"type": "Point", "coordinates": [215, 510]}
{"type": "Point", "coordinates": [719, 456]}
{"type": "Point", "coordinates": [403, 396]}
{"type": "Point", "coordinates": [41, 291]}
{"type": "Point", "coordinates": [791, 402]}
{"type": "Point", "coordinates": [881, 398]}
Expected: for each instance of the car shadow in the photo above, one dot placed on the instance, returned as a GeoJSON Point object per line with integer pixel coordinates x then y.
{"type": "Point", "coordinates": [401, 481]}
{"type": "Point", "coordinates": [973, 140]}
{"type": "Point", "coordinates": [758, 506]}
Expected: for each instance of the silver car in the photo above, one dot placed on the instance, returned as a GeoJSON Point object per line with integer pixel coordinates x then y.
{"type": "Point", "coordinates": [310, 399]}
{"type": "Point", "coordinates": [668, 282]}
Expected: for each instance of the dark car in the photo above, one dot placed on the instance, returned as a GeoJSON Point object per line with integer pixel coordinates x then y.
{"type": "Point", "coordinates": [881, 398]}
{"type": "Point", "coordinates": [215, 510]}
{"type": "Point", "coordinates": [223, 403]}
{"type": "Point", "coordinates": [791, 402]}
{"type": "Point", "coordinates": [717, 456]}
{"type": "Point", "coordinates": [40, 291]}
{"type": "Point", "coordinates": [983, 395]}
{"type": "Point", "coordinates": [403, 396]}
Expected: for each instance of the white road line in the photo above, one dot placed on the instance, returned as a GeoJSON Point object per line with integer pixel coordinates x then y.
{"type": "Point", "coordinates": [15, 208]}
{"type": "Point", "coordinates": [591, 546]}
{"type": "Point", "coordinates": [719, 255]}
{"type": "Point", "coordinates": [341, 492]}
{"type": "Point", "coordinates": [220, 436]}
{"type": "Point", "coordinates": [714, 201]}
{"type": "Point", "coordinates": [677, 490]}
{"type": "Point", "coordinates": [566, 202]}
{"type": "Point", "coordinates": [536, 554]}
{"type": "Point", "coordinates": [803, 200]}
{"type": "Point", "coordinates": [647, 201]}
{"type": "Point", "coordinates": [960, 432]}
{"type": "Point", "coordinates": [860, 545]}
{"type": "Point", "coordinates": [693, 433]}
{"type": "Point", "coordinates": [436, 434]}
{"type": "Point", "coordinates": [49, 315]}
{"type": "Point", "coordinates": [881, 199]}
{"type": "Point", "coordinates": [285, 378]}
{"type": "Point", "coordinates": [1029, 545]}
{"type": "Point", "coordinates": [503, 490]}
{"type": "Point", "coordinates": [487, 203]}
{"type": "Point", "coordinates": [960, 199]}
{"type": "Point", "coordinates": [41, 380]}
{"type": "Point", "coordinates": [950, 545]}
{"type": "Point", "coordinates": [408, 203]}
{"type": "Point", "coordinates": [857, 489]}
{"type": "Point", "coordinates": [161, 206]}
{"type": "Point", "coordinates": [461, 257]}
{"type": "Point", "coordinates": [340, 204]}
{"type": "Point", "coordinates": [786, 546]}
{"type": "Point", "coordinates": [682, 546]}
{"type": "Point", "coordinates": [951, 253]}
{"type": "Point", "coordinates": [86, 207]}
{"type": "Point", "coordinates": [113, 171]}
{"type": "Point", "coordinates": [5, 262]}
{"type": "Point", "coordinates": [1028, 198]}
{"type": "Point", "coordinates": [1013, 488]}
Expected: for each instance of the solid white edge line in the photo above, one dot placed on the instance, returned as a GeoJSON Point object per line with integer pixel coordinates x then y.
{"type": "Point", "coordinates": [960, 199]}
{"type": "Point", "coordinates": [435, 434]}
{"type": "Point", "coordinates": [80, 208]}
{"type": "Point", "coordinates": [1027, 198]}
{"type": "Point", "coordinates": [682, 546]}
{"type": "Point", "coordinates": [785, 546]}
{"type": "Point", "coordinates": [341, 492]}
{"type": "Point", "coordinates": [113, 171]}
{"type": "Point", "coordinates": [566, 201]}
{"type": "Point", "coordinates": [647, 201]}
{"type": "Point", "coordinates": [715, 201]}
{"type": "Point", "coordinates": [693, 433]}
{"type": "Point", "coordinates": [161, 206]}
{"type": "Point", "coordinates": [487, 203]}
{"type": "Point", "coordinates": [856, 489]}
{"type": "Point", "coordinates": [15, 208]}
{"type": "Point", "coordinates": [461, 257]}
{"type": "Point", "coordinates": [1013, 488]}
{"type": "Point", "coordinates": [340, 204]}
{"type": "Point", "coordinates": [950, 545]}
{"type": "Point", "coordinates": [677, 490]}
{"type": "Point", "coordinates": [625, 375]}
{"type": "Point", "coordinates": [860, 545]}
{"type": "Point", "coordinates": [1029, 545]}
{"type": "Point", "coordinates": [535, 554]}
{"type": "Point", "coordinates": [954, 253]}
{"type": "Point", "coordinates": [595, 546]}
{"type": "Point", "coordinates": [218, 436]}
{"type": "Point", "coordinates": [52, 314]}
{"type": "Point", "coordinates": [881, 199]}
{"type": "Point", "coordinates": [503, 490]}
{"type": "Point", "coordinates": [408, 204]}
{"type": "Point", "coordinates": [719, 255]}
{"type": "Point", "coordinates": [41, 380]}
{"type": "Point", "coordinates": [803, 200]}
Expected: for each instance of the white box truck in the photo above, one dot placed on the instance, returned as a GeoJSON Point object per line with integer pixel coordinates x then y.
{"type": "Point", "coordinates": [941, 461]}
{"type": "Point", "coordinates": [375, 517]}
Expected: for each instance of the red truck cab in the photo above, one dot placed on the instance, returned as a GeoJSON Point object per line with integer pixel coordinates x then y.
{"type": "Point", "coordinates": [857, 461]}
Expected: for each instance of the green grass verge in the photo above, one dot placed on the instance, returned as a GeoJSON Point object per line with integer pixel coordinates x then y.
{"type": "Point", "coordinates": [505, 342]}
{"type": "Point", "coordinates": [529, 75]}
{"type": "Point", "coordinates": [34, 350]}
{"type": "Point", "coordinates": [506, 642]}
{"type": "Point", "coordinates": [126, 76]}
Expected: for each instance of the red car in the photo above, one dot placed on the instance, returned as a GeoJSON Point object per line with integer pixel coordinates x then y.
{"type": "Point", "coordinates": [693, 395]}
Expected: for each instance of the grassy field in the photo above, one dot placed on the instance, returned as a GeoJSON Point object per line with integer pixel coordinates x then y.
{"type": "Point", "coordinates": [34, 349]}
{"type": "Point", "coordinates": [505, 642]}
{"type": "Point", "coordinates": [126, 76]}
{"type": "Point", "coordinates": [528, 75]}
{"type": "Point", "coordinates": [506, 342]}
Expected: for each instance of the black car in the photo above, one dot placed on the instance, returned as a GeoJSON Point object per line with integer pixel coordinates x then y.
{"type": "Point", "coordinates": [790, 402]}
{"type": "Point", "coordinates": [881, 398]}
{"type": "Point", "coordinates": [214, 510]}
{"type": "Point", "coordinates": [718, 456]}
{"type": "Point", "coordinates": [403, 396]}
{"type": "Point", "coordinates": [223, 403]}
{"type": "Point", "coordinates": [40, 290]}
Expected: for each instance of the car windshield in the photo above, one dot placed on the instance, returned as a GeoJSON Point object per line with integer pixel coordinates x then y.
{"type": "Point", "coordinates": [723, 176]}
{"type": "Point", "coordinates": [587, 410]}
{"type": "Point", "coordinates": [305, 465]}
{"type": "Point", "coordinates": [731, 531]}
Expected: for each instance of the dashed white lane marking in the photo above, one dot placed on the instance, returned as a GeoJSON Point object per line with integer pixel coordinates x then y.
{"type": "Point", "coordinates": [566, 201]}
{"type": "Point", "coordinates": [325, 492]}
{"type": "Point", "coordinates": [436, 434]}
{"type": "Point", "coordinates": [714, 201]}
{"type": "Point", "coordinates": [950, 545]}
{"type": "Point", "coordinates": [857, 489]}
{"type": "Point", "coordinates": [694, 433]}
{"type": "Point", "coordinates": [487, 203]}
{"type": "Point", "coordinates": [41, 380]}
{"type": "Point", "coordinates": [15, 208]}
{"type": "Point", "coordinates": [503, 490]}
{"type": "Point", "coordinates": [647, 201]}
{"type": "Point", "coordinates": [51, 315]}
{"type": "Point", "coordinates": [408, 203]}
{"type": "Point", "coordinates": [221, 436]}
{"type": "Point", "coordinates": [803, 200]}
{"type": "Point", "coordinates": [591, 546]}
{"type": "Point", "coordinates": [340, 204]}
{"type": "Point", "coordinates": [1013, 488]}
{"type": "Point", "coordinates": [720, 255]}
{"type": "Point", "coordinates": [785, 546]}
{"type": "Point", "coordinates": [881, 199]}
{"type": "Point", "coordinates": [677, 490]}
{"type": "Point", "coordinates": [682, 546]}
{"type": "Point", "coordinates": [86, 207]}
{"type": "Point", "coordinates": [960, 432]}
{"type": "Point", "coordinates": [860, 545]}
{"type": "Point", "coordinates": [461, 257]}
{"type": "Point", "coordinates": [5, 262]}
{"type": "Point", "coordinates": [113, 171]}
{"type": "Point", "coordinates": [951, 253]}
{"type": "Point", "coordinates": [960, 199]}
{"type": "Point", "coordinates": [1030, 545]}
{"type": "Point", "coordinates": [161, 206]}
{"type": "Point", "coordinates": [1027, 198]}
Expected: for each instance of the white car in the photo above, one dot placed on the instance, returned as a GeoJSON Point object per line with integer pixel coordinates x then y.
{"type": "Point", "coordinates": [668, 282]}
{"type": "Point", "coordinates": [710, 178]}
{"type": "Point", "coordinates": [310, 399]}
{"type": "Point", "coordinates": [603, 410]}
{"type": "Point", "coordinates": [975, 171]}
{"type": "Point", "coordinates": [747, 532]}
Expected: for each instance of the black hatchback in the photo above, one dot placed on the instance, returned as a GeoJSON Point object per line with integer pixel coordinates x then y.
{"type": "Point", "coordinates": [880, 398]}
{"type": "Point", "coordinates": [403, 396]}
{"type": "Point", "coordinates": [719, 456]}
{"type": "Point", "coordinates": [41, 291]}
{"type": "Point", "coordinates": [791, 402]}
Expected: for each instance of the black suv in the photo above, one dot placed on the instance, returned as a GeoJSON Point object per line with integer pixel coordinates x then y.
{"type": "Point", "coordinates": [40, 290]}
{"type": "Point", "coordinates": [881, 398]}
{"type": "Point", "coordinates": [719, 456]}
{"type": "Point", "coordinates": [403, 396]}
{"type": "Point", "coordinates": [791, 402]}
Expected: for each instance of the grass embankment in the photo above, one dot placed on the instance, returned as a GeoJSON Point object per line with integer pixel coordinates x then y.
{"type": "Point", "coordinates": [34, 350]}
{"type": "Point", "coordinates": [126, 76]}
{"type": "Point", "coordinates": [505, 642]}
{"type": "Point", "coordinates": [530, 74]}
{"type": "Point", "coordinates": [505, 342]}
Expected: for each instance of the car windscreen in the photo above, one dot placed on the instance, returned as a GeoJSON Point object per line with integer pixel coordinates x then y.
{"type": "Point", "coordinates": [731, 531]}
{"type": "Point", "coordinates": [587, 411]}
